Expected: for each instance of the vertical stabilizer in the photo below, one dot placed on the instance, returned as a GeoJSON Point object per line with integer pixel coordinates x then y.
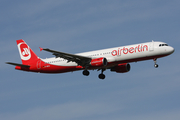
{"type": "Point", "coordinates": [27, 55]}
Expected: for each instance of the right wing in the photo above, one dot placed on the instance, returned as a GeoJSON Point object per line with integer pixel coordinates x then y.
{"type": "Point", "coordinates": [80, 60]}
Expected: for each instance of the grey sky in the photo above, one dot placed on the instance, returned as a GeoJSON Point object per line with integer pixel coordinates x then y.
{"type": "Point", "coordinates": [144, 93]}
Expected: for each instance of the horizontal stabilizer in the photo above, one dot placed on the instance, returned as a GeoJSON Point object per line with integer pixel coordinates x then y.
{"type": "Point", "coordinates": [16, 64]}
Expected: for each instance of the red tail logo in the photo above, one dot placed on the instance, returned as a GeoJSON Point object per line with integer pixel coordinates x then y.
{"type": "Point", "coordinates": [24, 51]}
{"type": "Point", "coordinates": [27, 55]}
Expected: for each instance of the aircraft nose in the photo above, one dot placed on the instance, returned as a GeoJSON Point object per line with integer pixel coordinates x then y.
{"type": "Point", "coordinates": [171, 50]}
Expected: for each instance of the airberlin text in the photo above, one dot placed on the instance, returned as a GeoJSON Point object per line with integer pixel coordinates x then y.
{"type": "Point", "coordinates": [126, 50]}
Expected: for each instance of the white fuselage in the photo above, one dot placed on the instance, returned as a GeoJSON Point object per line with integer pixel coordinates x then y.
{"type": "Point", "coordinates": [122, 54]}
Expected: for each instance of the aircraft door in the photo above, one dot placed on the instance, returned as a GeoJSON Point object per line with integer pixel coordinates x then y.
{"type": "Point", "coordinates": [39, 64]}
{"type": "Point", "coordinates": [151, 46]}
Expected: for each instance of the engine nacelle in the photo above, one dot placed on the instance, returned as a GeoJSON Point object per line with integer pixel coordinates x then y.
{"type": "Point", "coordinates": [121, 68]}
{"type": "Point", "coordinates": [99, 62]}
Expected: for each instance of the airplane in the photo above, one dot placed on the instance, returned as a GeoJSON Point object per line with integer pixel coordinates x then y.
{"type": "Point", "coordinates": [115, 59]}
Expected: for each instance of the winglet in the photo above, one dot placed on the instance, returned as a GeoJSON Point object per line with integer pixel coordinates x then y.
{"type": "Point", "coordinates": [40, 48]}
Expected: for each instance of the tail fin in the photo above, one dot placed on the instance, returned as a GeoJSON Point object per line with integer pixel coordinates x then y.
{"type": "Point", "coordinates": [27, 55]}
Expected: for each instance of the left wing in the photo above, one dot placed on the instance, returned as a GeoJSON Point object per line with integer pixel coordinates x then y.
{"type": "Point", "coordinates": [80, 60]}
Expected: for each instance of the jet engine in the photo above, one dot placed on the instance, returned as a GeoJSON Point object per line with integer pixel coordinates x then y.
{"type": "Point", "coordinates": [98, 62]}
{"type": "Point", "coordinates": [121, 68]}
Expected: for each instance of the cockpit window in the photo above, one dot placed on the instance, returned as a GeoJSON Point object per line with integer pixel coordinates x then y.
{"type": "Point", "coordinates": [163, 45]}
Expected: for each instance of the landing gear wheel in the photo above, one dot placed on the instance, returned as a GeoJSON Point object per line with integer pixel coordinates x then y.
{"type": "Point", "coordinates": [102, 76]}
{"type": "Point", "coordinates": [156, 65]}
{"type": "Point", "coordinates": [86, 72]}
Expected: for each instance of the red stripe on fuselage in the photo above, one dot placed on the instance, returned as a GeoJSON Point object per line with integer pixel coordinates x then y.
{"type": "Point", "coordinates": [49, 68]}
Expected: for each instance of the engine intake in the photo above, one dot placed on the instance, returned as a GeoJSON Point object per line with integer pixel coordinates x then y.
{"type": "Point", "coordinates": [121, 68]}
{"type": "Point", "coordinates": [99, 62]}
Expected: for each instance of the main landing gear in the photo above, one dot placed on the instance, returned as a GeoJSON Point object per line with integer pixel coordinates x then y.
{"type": "Point", "coordinates": [101, 76]}
{"type": "Point", "coordinates": [86, 72]}
{"type": "Point", "coordinates": [155, 65]}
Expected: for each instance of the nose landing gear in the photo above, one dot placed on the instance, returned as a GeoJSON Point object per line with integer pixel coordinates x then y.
{"type": "Point", "coordinates": [155, 65]}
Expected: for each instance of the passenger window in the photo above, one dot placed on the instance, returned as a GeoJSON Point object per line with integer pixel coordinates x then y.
{"type": "Point", "coordinates": [160, 45]}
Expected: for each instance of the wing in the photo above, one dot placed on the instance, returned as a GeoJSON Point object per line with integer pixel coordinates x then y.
{"type": "Point", "coordinates": [80, 60]}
